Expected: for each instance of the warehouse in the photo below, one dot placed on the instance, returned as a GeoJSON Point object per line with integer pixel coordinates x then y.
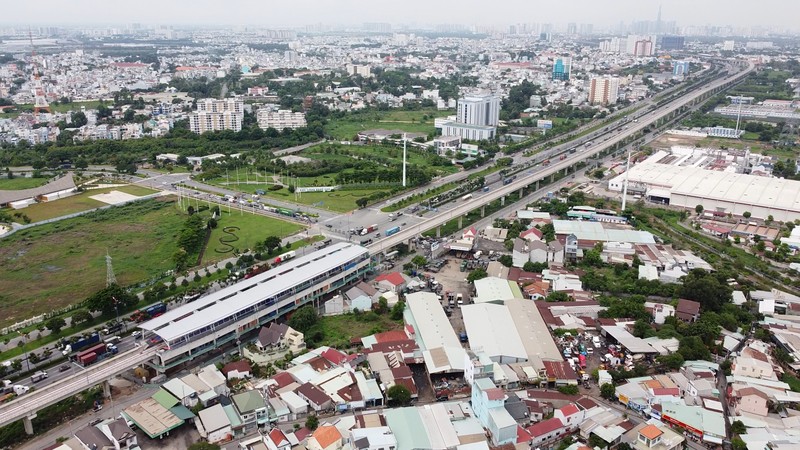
{"type": "Point", "coordinates": [495, 289]}
{"type": "Point", "coordinates": [491, 330]}
{"type": "Point", "coordinates": [433, 333]}
{"type": "Point", "coordinates": [717, 191]}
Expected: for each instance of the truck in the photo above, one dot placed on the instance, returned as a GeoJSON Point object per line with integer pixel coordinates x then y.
{"type": "Point", "coordinates": [91, 355]}
{"type": "Point", "coordinates": [466, 197]}
{"type": "Point", "coordinates": [366, 230]}
{"type": "Point", "coordinates": [392, 231]}
{"type": "Point", "coordinates": [285, 257]}
{"type": "Point", "coordinates": [112, 328]}
{"type": "Point", "coordinates": [38, 376]}
{"type": "Point", "coordinates": [78, 344]}
{"type": "Point", "coordinates": [113, 340]}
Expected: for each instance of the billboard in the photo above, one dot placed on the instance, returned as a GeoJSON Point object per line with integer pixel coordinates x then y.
{"type": "Point", "coordinates": [546, 124]}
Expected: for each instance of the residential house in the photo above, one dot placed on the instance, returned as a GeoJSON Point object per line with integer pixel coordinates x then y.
{"type": "Point", "coordinates": [120, 434]}
{"type": "Point", "coordinates": [546, 431]}
{"type": "Point", "coordinates": [373, 438]}
{"type": "Point", "coordinates": [182, 391]}
{"type": "Point", "coordinates": [317, 399]}
{"type": "Point", "coordinates": [279, 336]}
{"type": "Point", "coordinates": [214, 379]}
{"type": "Point", "coordinates": [277, 440]}
{"type": "Point", "coordinates": [252, 409]}
{"type": "Point", "coordinates": [237, 370]}
{"type": "Point", "coordinates": [749, 400]}
{"type": "Point", "coordinates": [214, 425]}
{"type": "Point", "coordinates": [532, 234]}
{"type": "Point", "coordinates": [653, 435]}
{"type": "Point", "coordinates": [538, 252]}
{"type": "Point", "coordinates": [91, 438]}
{"type": "Point", "coordinates": [488, 405]}
{"type": "Point", "coordinates": [326, 437]}
{"type": "Point", "coordinates": [393, 282]}
{"type": "Point", "coordinates": [555, 252]}
{"type": "Point", "coordinates": [297, 406]}
{"type": "Point", "coordinates": [570, 416]}
{"type": "Point", "coordinates": [687, 310]}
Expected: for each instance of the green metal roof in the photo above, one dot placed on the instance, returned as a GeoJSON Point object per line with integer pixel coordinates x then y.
{"type": "Point", "coordinates": [165, 399]}
{"type": "Point", "coordinates": [249, 401]}
{"type": "Point", "coordinates": [182, 412]}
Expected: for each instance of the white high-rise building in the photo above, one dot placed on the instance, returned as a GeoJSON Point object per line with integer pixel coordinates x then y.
{"type": "Point", "coordinates": [280, 119]}
{"type": "Point", "coordinates": [727, 46]}
{"type": "Point", "coordinates": [603, 91]}
{"type": "Point", "coordinates": [479, 110]}
{"type": "Point", "coordinates": [216, 115]}
{"type": "Point", "coordinates": [640, 45]}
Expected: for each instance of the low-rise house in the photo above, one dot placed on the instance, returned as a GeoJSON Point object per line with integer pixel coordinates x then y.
{"type": "Point", "coordinates": [280, 337]}
{"type": "Point", "coordinates": [326, 437]}
{"type": "Point", "coordinates": [237, 370]}
{"type": "Point", "coordinates": [653, 435]}
{"type": "Point", "coordinates": [317, 399]}
{"type": "Point", "coordinates": [277, 440]}
{"type": "Point", "coordinates": [570, 416]}
{"type": "Point", "coordinates": [120, 434]}
{"type": "Point", "coordinates": [393, 282]}
{"type": "Point", "coordinates": [749, 400]}
{"type": "Point", "coordinates": [211, 376]}
{"type": "Point", "coordinates": [687, 310]}
{"type": "Point", "coordinates": [182, 391]}
{"type": "Point", "coordinates": [546, 431]}
{"type": "Point", "coordinates": [375, 438]}
{"type": "Point", "coordinates": [214, 425]}
{"type": "Point", "coordinates": [252, 409]}
{"type": "Point", "coordinates": [91, 438]}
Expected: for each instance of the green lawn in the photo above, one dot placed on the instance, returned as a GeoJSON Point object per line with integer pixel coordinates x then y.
{"type": "Point", "coordinates": [339, 201]}
{"type": "Point", "coordinates": [77, 203]}
{"type": "Point", "coordinates": [66, 107]}
{"type": "Point", "coordinates": [241, 231]}
{"type": "Point", "coordinates": [411, 121]}
{"type": "Point", "coordinates": [54, 265]}
{"type": "Point", "coordinates": [18, 183]}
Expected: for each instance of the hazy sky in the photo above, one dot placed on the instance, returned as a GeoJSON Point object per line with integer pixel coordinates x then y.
{"type": "Point", "coordinates": [275, 13]}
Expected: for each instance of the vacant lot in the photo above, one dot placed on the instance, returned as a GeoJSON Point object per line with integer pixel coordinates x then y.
{"type": "Point", "coordinates": [337, 331]}
{"type": "Point", "coordinates": [77, 203]}
{"type": "Point", "coordinates": [237, 231]}
{"type": "Point", "coordinates": [54, 265]}
{"type": "Point", "coordinates": [17, 183]}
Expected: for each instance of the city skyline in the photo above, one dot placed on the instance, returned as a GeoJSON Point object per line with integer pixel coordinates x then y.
{"type": "Point", "coordinates": [736, 13]}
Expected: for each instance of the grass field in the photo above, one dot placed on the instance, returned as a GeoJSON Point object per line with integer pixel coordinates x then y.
{"type": "Point", "coordinates": [17, 183]}
{"type": "Point", "coordinates": [250, 229]}
{"type": "Point", "coordinates": [77, 203]}
{"type": "Point", "coordinates": [410, 121]}
{"type": "Point", "coordinates": [53, 265]}
{"type": "Point", "coordinates": [66, 107]}
{"type": "Point", "coordinates": [338, 330]}
{"type": "Point", "coordinates": [339, 201]}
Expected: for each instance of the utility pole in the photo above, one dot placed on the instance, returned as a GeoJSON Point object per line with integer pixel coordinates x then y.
{"type": "Point", "coordinates": [625, 183]}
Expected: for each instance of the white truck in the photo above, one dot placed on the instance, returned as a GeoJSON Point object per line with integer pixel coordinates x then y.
{"type": "Point", "coordinates": [38, 376]}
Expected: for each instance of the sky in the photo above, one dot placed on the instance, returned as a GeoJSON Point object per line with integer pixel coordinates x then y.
{"type": "Point", "coordinates": [282, 13]}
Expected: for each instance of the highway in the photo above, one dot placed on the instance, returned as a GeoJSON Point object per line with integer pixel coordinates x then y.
{"type": "Point", "coordinates": [541, 172]}
{"type": "Point", "coordinates": [93, 375]}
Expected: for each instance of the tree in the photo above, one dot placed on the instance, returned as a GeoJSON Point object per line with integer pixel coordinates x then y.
{"type": "Point", "coordinates": [738, 443]}
{"type": "Point", "coordinates": [203, 446]}
{"type": "Point", "coordinates": [506, 260]}
{"type": "Point", "coordinates": [692, 348]}
{"type": "Point", "coordinates": [608, 391]}
{"type": "Point", "coordinates": [397, 310]}
{"type": "Point", "coordinates": [698, 209]}
{"type": "Point", "coordinates": [81, 316]}
{"type": "Point", "coordinates": [398, 395]}
{"type": "Point", "coordinates": [55, 324]}
{"type": "Point", "coordinates": [705, 288]}
{"type": "Point", "coordinates": [558, 296]}
{"type": "Point", "coordinates": [746, 214]}
{"type": "Point", "coordinates": [642, 329]}
{"type": "Point", "coordinates": [271, 243]}
{"type": "Point", "coordinates": [303, 319]}
{"type": "Point", "coordinates": [672, 362]}
{"type": "Point", "coordinates": [419, 261]}
{"type": "Point", "coordinates": [312, 422]}
{"type": "Point", "coordinates": [382, 307]}
{"type": "Point", "coordinates": [569, 389]}
{"type": "Point", "coordinates": [477, 274]}
{"type": "Point", "coordinates": [111, 299]}
{"type": "Point", "coordinates": [592, 258]}
{"type": "Point", "coordinates": [737, 427]}
{"type": "Point", "coordinates": [536, 267]}
{"type": "Point", "coordinates": [362, 202]}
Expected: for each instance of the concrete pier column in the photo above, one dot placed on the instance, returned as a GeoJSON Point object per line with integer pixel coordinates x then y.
{"type": "Point", "coordinates": [460, 222]}
{"type": "Point", "coordinates": [521, 192]}
{"type": "Point", "coordinates": [26, 422]}
{"type": "Point", "coordinates": [106, 389]}
{"type": "Point", "coordinates": [483, 211]}
{"type": "Point", "coordinates": [503, 201]}
{"type": "Point", "coordinates": [537, 185]}
{"type": "Point", "coordinates": [439, 231]}
{"type": "Point", "coordinates": [552, 178]}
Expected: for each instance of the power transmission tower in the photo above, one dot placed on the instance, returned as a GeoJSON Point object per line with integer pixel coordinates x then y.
{"type": "Point", "coordinates": [110, 278]}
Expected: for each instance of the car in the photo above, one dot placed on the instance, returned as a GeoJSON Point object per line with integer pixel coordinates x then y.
{"type": "Point", "coordinates": [63, 368]}
{"type": "Point", "coordinates": [329, 225]}
{"type": "Point", "coordinates": [137, 334]}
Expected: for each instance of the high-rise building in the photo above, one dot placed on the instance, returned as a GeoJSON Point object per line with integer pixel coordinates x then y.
{"type": "Point", "coordinates": [603, 91]}
{"type": "Point", "coordinates": [727, 46]}
{"type": "Point", "coordinates": [358, 69]}
{"type": "Point", "coordinates": [640, 45]}
{"type": "Point", "coordinates": [481, 110]}
{"type": "Point", "coordinates": [572, 28]}
{"type": "Point", "coordinates": [216, 115]}
{"type": "Point", "coordinates": [613, 45]}
{"type": "Point", "coordinates": [680, 68]}
{"type": "Point", "coordinates": [672, 43]}
{"type": "Point", "coordinates": [562, 68]}
{"type": "Point", "coordinates": [280, 119]}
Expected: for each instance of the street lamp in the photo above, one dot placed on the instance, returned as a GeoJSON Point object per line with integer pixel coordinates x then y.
{"type": "Point", "coordinates": [24, 343]}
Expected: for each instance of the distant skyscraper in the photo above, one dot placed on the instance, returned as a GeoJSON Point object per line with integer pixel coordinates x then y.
{"type": "Point", "coordinates": [562, 68]}
{"type": "Point", "coordinates": [604, 91]}
{"type": "Point", "coordinates": [669, 43]}
{"type": "Point", "coordinates": [680, 68]}
{"type": "Point", "coordinates": [572, 28]}
{"type": "Point", "coordinates": [727, 46]}
{"type": "Point", "coordinates": [640, 45]}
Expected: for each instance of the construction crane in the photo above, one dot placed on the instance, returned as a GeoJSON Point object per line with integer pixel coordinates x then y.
{"type": "Point", "coordinates": [39, 98]}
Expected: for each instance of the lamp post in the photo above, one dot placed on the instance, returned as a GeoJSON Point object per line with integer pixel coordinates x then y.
{"type": "Point", "coordinates": [24, 343]}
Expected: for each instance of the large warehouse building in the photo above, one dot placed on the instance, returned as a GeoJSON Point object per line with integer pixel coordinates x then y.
{"type": "Point", "coordinates": [196, 328]}
{"type": "Point", "coordinates": [717, 191]}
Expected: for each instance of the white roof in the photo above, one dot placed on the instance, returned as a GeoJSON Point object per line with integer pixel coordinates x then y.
{"type": "Point", "coordinates": [221, 304]}
{"type": "Point", "coordinates": [178, 388]}
{"type": "Point", "coordinates": [211, 376]}
{"type": "Point", "coordinates": [595, 231]}
{"type": "Point", "coordinates": [437, 423]}
{"type": "Point", "coordinates": [491, 329]}
{"type": "Point", "coordinates": [302, 373]}
{"type": "Point", "coordinates": [433, 331]}
{"type": "Point", "coordinates": [629, 341]}
{"type": "Point", "coordinates": [532, 330]}
{"type": "Point", "coordinates": [214, 418]}
{"type": "Point", "coordinates": [293, 400]}
{"type": "Point", "coordinates": [492, 288]}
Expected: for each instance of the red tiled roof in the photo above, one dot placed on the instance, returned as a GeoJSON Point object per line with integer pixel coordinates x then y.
{"type": "Point", "coordinates": [334, 356]}
{"type": "Point", "coordinates": [283, 379]}
{"type": "Point", "coordinates": [534, 231]}
{"type": "Point", "coordinates": [666, 391]}
{"type": "Point", "coordinates": [319, 364]}
{"type": "Point", "coordinates": [241, 366]}
{"type": "Point", "coordinates": [395, 278]}
{"type": "Point", "coordinates": [688, 307]}
{"type": "Point", "coordinates": [544, 427]}
{"type": "Point", "coordinates": [559, 370]}
{"type": "Point", "coordinates": [569, 410]}
{"type": "Point", "coordinates": [522, 435]}
{"type": "Point", "coordinates": [327, 435]}
{"type": "Point", "coordinates": [391, 336]}
{"type": "Point", "coordinates": [277, 437]}
{"type": "Point", "coordinates": [302, 433]}
{"type": "Point", "coordinates": [401, 372]}
{"type": "Point", "coordinates": [586, 403]}
{"type": "Point", "coordinates": [495, 394]}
